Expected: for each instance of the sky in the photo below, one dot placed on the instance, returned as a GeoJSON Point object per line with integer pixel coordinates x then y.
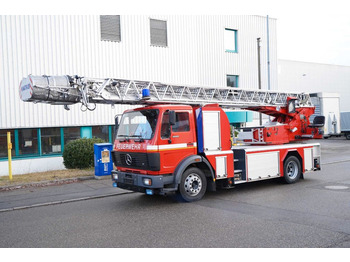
{"type": "Point", "coordinates": [320, 38]}
{"type": "Point", "coordinates": [307, 30]}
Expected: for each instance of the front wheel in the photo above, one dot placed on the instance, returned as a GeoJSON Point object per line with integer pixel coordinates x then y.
{"type": "Point", "coordinates": [292, 170]}
{"type": "Point", "coordinates": [193, 185]}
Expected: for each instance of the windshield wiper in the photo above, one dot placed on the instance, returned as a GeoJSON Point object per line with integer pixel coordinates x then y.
{"type": "Point", "coordinates": [138, 136]}
{"type": "Point", "coordinates": [126, 138]}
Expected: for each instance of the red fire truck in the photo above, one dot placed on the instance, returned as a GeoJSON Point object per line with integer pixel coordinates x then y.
{"type": "Point", "coordinates": [180, 140]}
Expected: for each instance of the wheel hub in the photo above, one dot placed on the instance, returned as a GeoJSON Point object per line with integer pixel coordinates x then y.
{"type": "Point", "coordinates": [193, 184]}
{"type": "Point", "coordinates": [292, 169]}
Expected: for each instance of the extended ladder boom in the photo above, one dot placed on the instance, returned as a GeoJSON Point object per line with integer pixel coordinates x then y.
{"type": "Point", "coordinates": [68, 90]}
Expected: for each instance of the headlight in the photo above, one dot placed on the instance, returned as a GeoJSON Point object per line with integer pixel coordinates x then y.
{"type": "Point", "coordinates": [147, 181]}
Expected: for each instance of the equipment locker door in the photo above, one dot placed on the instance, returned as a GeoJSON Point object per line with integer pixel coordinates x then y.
{"type": "Point", "coordinates": [211, 130]}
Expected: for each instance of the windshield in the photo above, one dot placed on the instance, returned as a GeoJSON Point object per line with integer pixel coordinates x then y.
{"type": "Point", "coordinates": [138, 125]}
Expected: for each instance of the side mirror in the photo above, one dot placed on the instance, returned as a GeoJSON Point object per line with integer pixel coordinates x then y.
{"type": "Point", "coordinates": [172, 118]}
{"type": "Point", "coordinates": [116, 124]}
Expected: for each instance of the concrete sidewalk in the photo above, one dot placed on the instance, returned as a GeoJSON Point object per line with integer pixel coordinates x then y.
{"type": "Point", "coordinates": [41, 194]}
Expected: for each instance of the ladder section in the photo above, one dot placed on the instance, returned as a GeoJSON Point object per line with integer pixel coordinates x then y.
{"type": "Point", "coordinates": [89, 91]}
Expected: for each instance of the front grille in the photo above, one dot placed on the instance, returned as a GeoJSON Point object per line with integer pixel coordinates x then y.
{"type": "Point", "coordinates": [137, 160]}
{"type": "Point", "coordinates": [144, 161]}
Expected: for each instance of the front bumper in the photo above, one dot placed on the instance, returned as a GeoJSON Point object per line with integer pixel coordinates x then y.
{"type": "Point", "coordinates": [161, 184]}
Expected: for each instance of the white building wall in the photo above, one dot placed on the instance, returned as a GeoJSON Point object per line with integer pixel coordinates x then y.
{"type": "Point", "coordinates": [314, 78]}
{"type": "Point", "coordinates": [57, 45]}
{"type": "Point", "coordinates": [25, 166]}
{"type": "Point", "coordinates": [60, 45]}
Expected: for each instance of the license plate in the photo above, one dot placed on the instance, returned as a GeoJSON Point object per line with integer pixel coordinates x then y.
{"type": "Point", "coordinates": [128, 181]}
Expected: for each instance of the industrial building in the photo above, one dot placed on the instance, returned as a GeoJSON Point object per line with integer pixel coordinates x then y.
{"type": "Point", "coordinates": [193, 50]}
{"type": "Point", "coordinates": [315, 78]}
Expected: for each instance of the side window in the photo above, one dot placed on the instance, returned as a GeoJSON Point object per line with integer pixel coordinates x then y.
{"type": "Point", "coordinates": [182, 122]}
{"type": "Point", "coordinates": [165, 129]}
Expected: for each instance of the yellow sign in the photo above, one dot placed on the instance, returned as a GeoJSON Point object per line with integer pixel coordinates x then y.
{"type": "Point", "coordinates": [105, 156]}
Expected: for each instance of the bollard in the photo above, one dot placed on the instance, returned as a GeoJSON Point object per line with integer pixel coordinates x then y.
{"type": "Point", "coordinates": [9, 147]}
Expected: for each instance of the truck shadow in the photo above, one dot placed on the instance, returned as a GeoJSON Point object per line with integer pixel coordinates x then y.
{"type": "Point", "coordinates": [137, 200]}
{"type": "Point", "coordinates": [257, 187]}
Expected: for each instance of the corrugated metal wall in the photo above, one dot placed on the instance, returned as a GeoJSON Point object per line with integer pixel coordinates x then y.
{"type": "Point", "coordinates": [56, 45]}
{"type": "Point", "coordinates": [314, 78]}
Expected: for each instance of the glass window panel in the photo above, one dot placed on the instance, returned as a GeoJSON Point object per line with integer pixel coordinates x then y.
{"type": "Point", "coordinates": [182, 123]}
{"type": "Point", "coordinates": [232, 80]}
{"type": "Point", "coordinates": [113, 134]}
{"type": "Point", "coordinates": [138, 124]}
{"type": "Point", "coordinates": [101, 132]}
{"type": "Point", "coordinates": [28, 141]}
{"type": "Point", "coordinates": [165, 129]}
{"type": "Point", "coordinates": [71, 133]}
{"type": "Point", "coordinates": [230, 40]}
{"type": "Point", "coordinates": [3, 142]}
{"type": "Point", "coordinates": [51, 140]}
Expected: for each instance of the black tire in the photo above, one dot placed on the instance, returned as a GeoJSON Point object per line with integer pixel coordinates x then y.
{"type": "Point", "coordinates": [291, 170]}
{"type": "Point", "coordinates": [347, 136]}
{"type": "Point", "coordinates": [193, 185]}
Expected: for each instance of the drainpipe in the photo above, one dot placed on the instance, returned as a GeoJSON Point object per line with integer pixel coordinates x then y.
{"type": "Point", "coordinates": [259, 74]}
{"type": "Point", "coordinates": [268, 53]}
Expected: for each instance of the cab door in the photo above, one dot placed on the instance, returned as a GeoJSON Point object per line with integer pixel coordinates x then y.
{"type": "Point", "coordinates": [176, 141]}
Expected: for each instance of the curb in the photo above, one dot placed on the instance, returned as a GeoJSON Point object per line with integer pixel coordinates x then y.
{"type": "Point", "coordinates": [62, 201]}
{"type": "Point", "coordinates": [46, 183]}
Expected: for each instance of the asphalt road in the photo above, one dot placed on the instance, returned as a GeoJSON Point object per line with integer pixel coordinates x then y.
{"type": "Point", "coordinates": [314, 212]}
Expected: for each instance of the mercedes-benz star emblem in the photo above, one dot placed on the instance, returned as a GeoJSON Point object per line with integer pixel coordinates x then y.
{"type": "Point", "coordinates": [128, 159]}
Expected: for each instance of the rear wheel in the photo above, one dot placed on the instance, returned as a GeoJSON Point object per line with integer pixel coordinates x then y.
{"type": "Point", "coordinates": [292, 170]}
{"type": "Point", "coordinates": [193, 185]}
{"type": "Point", "coordinates": [347, 136]}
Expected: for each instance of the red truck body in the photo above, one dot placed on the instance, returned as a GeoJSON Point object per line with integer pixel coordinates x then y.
{"type": "Point", "coordinates": [188, 150]}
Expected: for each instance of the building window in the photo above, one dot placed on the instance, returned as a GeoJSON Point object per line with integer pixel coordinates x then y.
{"type": "Point", "coordinates": [3, 143]}
{"type": "Point", "coordinates": [51, 141]}
{"type": "Point", "coordinates": [101, 132]}
{"type": "Point", "coordinates": [232, 80]}
{"type": "Point", "coordinates": [28, 142]}
{"type": "Point", "coordinates": [110, 28]}
{"type": "Point", "coordinates": [230, 40]}
{"type": "Point", "coordinates": [38, 142]}
{"type": "Point", "coordinates": [158, 32]}
{"type": "Point", "coordinates": [71, 133]}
